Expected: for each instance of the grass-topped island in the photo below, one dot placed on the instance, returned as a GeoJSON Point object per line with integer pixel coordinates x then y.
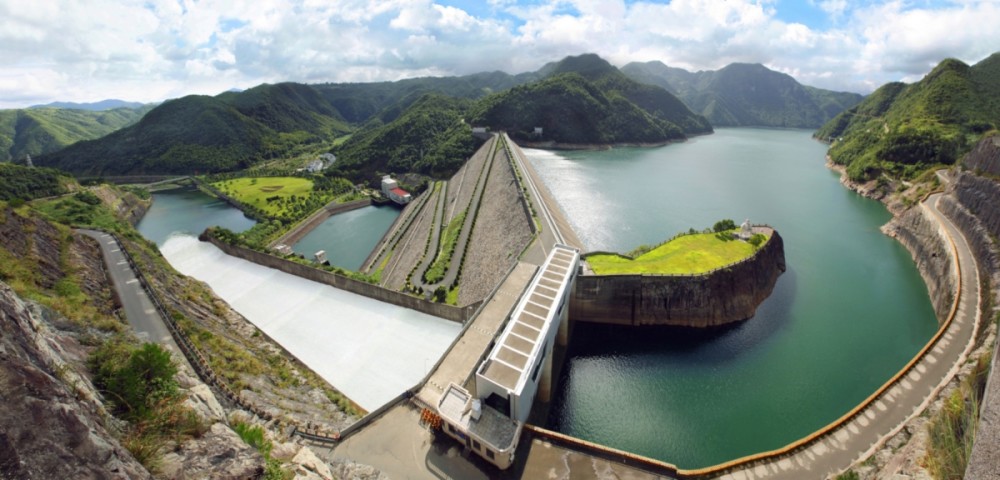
{"type": "Point", "coordinates": [697, 279]}
{"type": "Point", "coordinates": [688, 254]}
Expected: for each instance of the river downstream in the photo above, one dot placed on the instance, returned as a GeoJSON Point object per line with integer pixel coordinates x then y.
{"type": "Point", "coordinates": [850, 311]}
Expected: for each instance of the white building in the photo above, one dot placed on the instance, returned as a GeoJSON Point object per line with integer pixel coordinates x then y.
{"type": "Point", "coordinates": [518, 367]}
{"type": "Point", "coordinates": [391, 189]}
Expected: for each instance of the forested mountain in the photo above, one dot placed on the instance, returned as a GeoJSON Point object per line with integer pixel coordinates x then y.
{"type": "Point", "coordinates": [584, 99]}
{"type": "Point", "coordinates": [35, 131]}
{"type": "Point", "coordinates": [743, 94]}
{"type": "Point", "coordinates": [430, 136]}
{"type": "Point", "coordinates": [100, 106]}
{"type": "Point", "coordinates": [903, 129]}
{"type": "Point", "coordinates": [209, 134]}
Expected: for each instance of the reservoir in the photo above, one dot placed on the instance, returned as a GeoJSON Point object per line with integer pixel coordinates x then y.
{"type": "Point", "coordinates": [188, 210]}
{"type": "Point", "coordinates": [850, 311]}
{"type": "Point", "coordinates": [349, 237]}
{"type": "Point", "coordinates": [369, 350]}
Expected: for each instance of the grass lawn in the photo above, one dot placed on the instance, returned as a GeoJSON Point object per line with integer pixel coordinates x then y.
{"type": "Point", "coordinates": [689, 254]}
{"type": "Point", "coordinates": [256, 190]}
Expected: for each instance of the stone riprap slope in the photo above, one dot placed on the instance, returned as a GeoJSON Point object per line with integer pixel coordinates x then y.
{"type": "Point", "coordinates": [502, 231]}
{"type": "Point", "coordinates": [411, 247]}
{"type": "Point", "coordinates": [463, 183]}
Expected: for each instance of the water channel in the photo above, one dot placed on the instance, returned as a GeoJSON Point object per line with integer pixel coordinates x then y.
{"type": "Point", "coordinates": [348, 237]}
{"type": "Point", "coordinates": [369, 350]}
{"type": "Point", "coordinates": [850, 311]}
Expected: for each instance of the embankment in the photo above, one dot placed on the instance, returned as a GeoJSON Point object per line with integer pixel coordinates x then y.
{"type": "Point", "coordinates": [302, 229]}
{"type": "Point", "coordinates": [726, 295]}
{"type": "Point", "coordinates": [376, 292]}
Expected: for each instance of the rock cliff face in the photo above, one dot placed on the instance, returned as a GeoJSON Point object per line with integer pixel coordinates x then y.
{"type": "Point", "coordinates": [49, 429]}
{"type": "Point", "coordinates": [985, 157]}
{"type": "Point", "coordinates": [921, 237]}
{"type": "Point", "coordinates": [724, 296]}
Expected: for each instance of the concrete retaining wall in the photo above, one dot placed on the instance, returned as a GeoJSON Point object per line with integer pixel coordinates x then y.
{"type": "Point", "coordinates": [308, 225]}
{"type": "Point", "coordinates": [448, 312]}
{"type": "Point", "coordinates": [716, 298]}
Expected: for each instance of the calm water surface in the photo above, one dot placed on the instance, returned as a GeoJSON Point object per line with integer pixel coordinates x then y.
{"type": "Point", "coordinates": [189, 211]}
{"type": "Point", "coordinates": [850, 311]}
{"type": "Point", "coordinates": [349, 237]}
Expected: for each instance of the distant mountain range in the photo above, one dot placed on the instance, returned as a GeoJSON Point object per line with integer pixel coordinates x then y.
{"type": "Point", "coordinates": [903, 129]}
{"type": "Point", "coordinates": [36, 131]}
{"type": "Point", "coordinates": [102, 105]}
{"type": "Point", "coordinates": [422, 124]}
{"type": "Point", "coordinates": [577, 100]}
{"type": "Point", "coordinates": [743, 94]}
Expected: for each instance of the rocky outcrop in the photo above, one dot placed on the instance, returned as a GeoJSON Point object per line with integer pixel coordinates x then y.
{"type": "Point", "coordinates": [984, 157]}
{"type": "Point", "coordinates": [51, 423]}
{"type": "Point", "coordinates": [724, 296]}
{"type": "Point", "coordinates": [921, 237]}
{"type": "Point", "coordinates": [219, 453]}
{"type": "Point", "coordinates": [125, 205]}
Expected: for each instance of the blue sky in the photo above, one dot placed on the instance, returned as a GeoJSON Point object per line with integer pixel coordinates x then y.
{"type": "Point", "coordinates": [151, 50]}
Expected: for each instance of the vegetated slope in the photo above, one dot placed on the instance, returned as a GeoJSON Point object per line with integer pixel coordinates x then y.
{"type": "Point", "coordinates": [358, 102]}
{"type": "Point", "coordinates": [35, 131]}
{"type": "Point", "coordinates": [586, 100]}
{"type": "Point", "coordinates": [23, 183]}
{"type": "Point", "coordinates": [428, 137]}
{"type": "Point", "coordinates": [199, 134]}
{"type": "Point", "coordinates": [903, 129]}
{"type": "Point", "coordinates": [743, 94]}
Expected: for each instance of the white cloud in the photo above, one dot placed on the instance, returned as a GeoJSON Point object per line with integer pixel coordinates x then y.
{"type": "Point", "coordinates": [149, 50]}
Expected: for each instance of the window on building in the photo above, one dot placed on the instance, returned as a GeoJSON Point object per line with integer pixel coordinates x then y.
{"type": "Point", "coordinates": [490, 454]}
{"type": "Point", "coordinates": [451, 428]}
{"type": "Point", "coordinates": [476, 445]}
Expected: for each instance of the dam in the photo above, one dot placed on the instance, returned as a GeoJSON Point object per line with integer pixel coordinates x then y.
{"type": "Point", "coordinates": [702, 361]}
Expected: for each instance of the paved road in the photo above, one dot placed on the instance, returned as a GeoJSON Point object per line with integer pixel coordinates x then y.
{"type": "Point", "coordinates": [860, 437]}
{"type": "Point", "coordinates": [139, 310]}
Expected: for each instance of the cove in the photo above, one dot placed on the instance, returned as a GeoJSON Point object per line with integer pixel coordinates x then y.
{"type": "Point", "coordinates": [348, 237]}
{"type": "Point", "coordinates": [849, 312]}
{"type": "Point", "coordinates": [189, 211]}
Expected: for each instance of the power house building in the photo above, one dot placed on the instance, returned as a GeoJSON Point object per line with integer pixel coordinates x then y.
{"type": "Point", "coordinates": [489, 420]}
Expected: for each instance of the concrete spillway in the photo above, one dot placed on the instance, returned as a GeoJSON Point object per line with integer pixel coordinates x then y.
{"type": "Point", "coordinates": [369, 350]}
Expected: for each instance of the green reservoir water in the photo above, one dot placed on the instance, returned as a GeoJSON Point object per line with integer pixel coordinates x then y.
{"type": "Point", "coordinates": [349, 237]}
{"type": "Point", "coordinates": [850, 311]}
{"type": "Point", "coordinates": [188, 210]}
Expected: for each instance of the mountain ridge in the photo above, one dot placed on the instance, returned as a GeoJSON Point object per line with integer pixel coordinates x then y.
{"type": "Point", "coordinates": [745, 94]}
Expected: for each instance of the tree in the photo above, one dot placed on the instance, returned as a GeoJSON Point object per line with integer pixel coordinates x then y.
{"type": "Point", "coordinates": [757, 240]}
{"type": "Point", "coordinates": [134, 380]}
{"type": "Point", "coordinates": [724, 225]}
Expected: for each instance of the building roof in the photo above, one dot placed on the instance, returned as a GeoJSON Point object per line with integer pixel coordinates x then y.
{"type": "Point", "coordinates": [511, 360]}
{"type": "Point", "coordinates": [494, 427]}
{"type": "Point", "coordinates": [400, 192]}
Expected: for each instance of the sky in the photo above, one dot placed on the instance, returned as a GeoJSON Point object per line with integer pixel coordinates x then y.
{"type": "Point", "coordinates": [152, 50]}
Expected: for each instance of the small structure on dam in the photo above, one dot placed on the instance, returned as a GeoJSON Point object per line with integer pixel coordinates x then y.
{"type": "Point", "coordinates": [518, 368]}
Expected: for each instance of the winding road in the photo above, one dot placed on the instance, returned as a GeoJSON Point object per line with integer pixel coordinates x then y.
{"type": "Point", "coordinates": [887, 413]}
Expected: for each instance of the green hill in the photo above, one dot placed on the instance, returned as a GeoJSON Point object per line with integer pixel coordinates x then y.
{"type": "Point", "coordinates": [903, 129]}
{"type": "Point", "coordinates": [209, 134]}
{"type": "Point", "coordinates": [586, 100]}
{"type": "Point", "coordinates": [743, 94]}
{"type": "Point", "coordinates": [429, 137]}
{"type": "Point", "coordinates": [36, 131]}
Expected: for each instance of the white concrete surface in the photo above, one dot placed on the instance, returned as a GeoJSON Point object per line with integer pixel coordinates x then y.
{"type": "Point", "coordinates": [369, 350]}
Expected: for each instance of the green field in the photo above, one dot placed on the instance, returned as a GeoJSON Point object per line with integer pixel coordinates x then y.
{"type": "Point", "coordinates": [272, 195]}
{"type": "Point", "coordinates": [688, 254]}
